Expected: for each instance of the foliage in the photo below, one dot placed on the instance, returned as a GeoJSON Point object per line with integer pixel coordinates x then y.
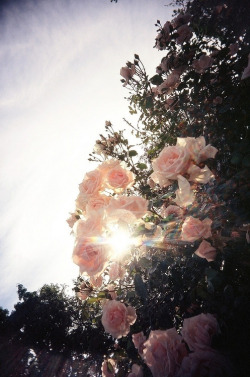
{"type": "Point", "coordinates": [173, 271]}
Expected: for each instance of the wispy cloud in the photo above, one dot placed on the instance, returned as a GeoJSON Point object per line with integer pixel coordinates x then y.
{"type": "Point", "coordinates": [59, 82]}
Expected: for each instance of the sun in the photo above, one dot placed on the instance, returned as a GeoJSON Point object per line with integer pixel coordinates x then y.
{"type": "Point", "coordinates": [120, 242]}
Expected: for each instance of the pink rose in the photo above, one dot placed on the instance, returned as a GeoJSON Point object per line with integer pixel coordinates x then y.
{"type": "Point", "coordinates": [184, 34]}
{"type": "Point", "coordinates": [197, 148]}
{"type": "Point", "coordinates": [163, 352]}
{"type": "Point", "coordinates": [172, 161]}
{"type": "Point", "coordinates": [108, 368]}
{"type": "Point", "coordinates": [194, 229]}
{"type": "Point", "coordinates": [207, 251]}
{"type": "Point", "coordinates": [233, 49]}
{"type": "Point", "coordinates": [138, 340]}
{"type": "Point", "coordinates": [72, 219]}
{"type": "Point", "coordinates": [117, 176]}
{"type": "Point", "coordinates": [88, 228]}
{"type": "Point", "coordinates": [181, 19]}
{"type": "Point", "coordinates": [184, 195]}
{"type": "Point", "coordinates": [171, 81]}
{"type": "Point", "coordinates": [205, 363]}
{"type": "Point", "coordinates": [203, 63]}
{"type": "Point", "coordinates": [198, 331]}
{"type": "Point", "coordinates": [116, 271]}
{"type": "Point", "coordinates": [96, 205]}
{"type": "Point", "coordinates": [199, 175]}
{"type": "Point", "coordinates": [117, 318]}
{"type": "Point", "coordinates": [171, 210]}
{"type": "Point", "coordinates": [90, 256]}
{"type": "Point", "coordinates": [92, 183]}
{"type": "Point", "coordinates": [96, 281]}
{"type": "Point", "coordinates": [217, 100]}
{"type": "Point", "coordinates": [246, 72]}
{"type": "Point", "coordinates": [136, 371]}
{"type": "Point", "coordinates": [135, 204]}
{"type": "Point", "coordinates": [127, 73]}
{"type": "Point", "coordinates": [163, 37]}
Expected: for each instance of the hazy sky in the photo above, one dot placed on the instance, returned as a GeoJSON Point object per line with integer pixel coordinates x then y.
{"type": "Point", "coordinates": [59, 82]}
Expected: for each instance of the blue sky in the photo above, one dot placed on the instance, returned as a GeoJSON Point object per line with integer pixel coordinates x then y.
{"type": "Point", "coordinates": [59, 82]}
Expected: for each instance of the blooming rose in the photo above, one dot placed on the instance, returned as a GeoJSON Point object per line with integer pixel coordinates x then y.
{"type": "Point", "coordinates": [116, 176]}
{"type": "Point", "coordinates": [138, 340]}
{"type": "Point", "coordinates": [127, 73]}
{"type": "Point", "coordinates": [117, 318]}
{"type": "Point", "coordinates": [205, 363]}
{"type": "Point", "coordinates": [92, 183]}
{"type": "Point", "coordinates": [197, 148]}
{"type": "Point", "coordinates": [203, 63]}
{"type": "Point", "coordinates": [88, 228]}
{"type": "Point", "coordinates": [207, 251]}
{"type": "Point", "coordinates": [135, 204]}
{"type": "Point", "coordinates": [184, 195]}
{"type": "Point", "coordinates": [172, 161]}
{"type": "Point", "coordinates": [199, 175]}
{"type": "Point", "coordinates": [184, 34]}
{"type": "Point", "coordinates": [194, 229]}
{"type": "Point", "coordinates": [163, 352]}
{"type": "Point", "coordinates": [96, 205]}
{"type": "Point", "coordinates": [170, 82]}
{"type": "Point", "coordinates": [171, 210]}
{"type": "Point", "coordinates": [116, 271]}
{"type": "Point", "coordinates": [246, 72]}
{"type": "Point", "coordinates": [217, 100]}
{"type": "Point", "coordinates": [72, 219]}
{"type": "Point", "coordinates": [198, 331]}
{"type": "Point", "coordinates": [90, 256]}
{"type": "Point", "coordinates": [136, 371]}
{"type": "Point", "coordinates": [108, 368]}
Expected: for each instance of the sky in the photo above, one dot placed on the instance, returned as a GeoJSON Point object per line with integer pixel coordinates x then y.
{"type": "Point", "coordinates": [59, 82]}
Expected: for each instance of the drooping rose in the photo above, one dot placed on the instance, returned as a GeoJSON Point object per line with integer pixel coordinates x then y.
{"type": "Point", "coordinates": [127, 73]}
{"type": "Point", "coordinates": [197, 148]}
{"type": "Point", "coordinates": [184, 195]}
{"type": "Point", "coordinates": [184, 34]}
{"type": "Point", "coordinates": [172, 161]}
{"type": "Point", "coordinates": [138, 340]}
{"type": "Point", "coordinates": [246, 72]}
{"type": "Point", "coordinates": [108, 368]}
{"type": "Point", "coordinates": [116, 271]}
{"type": "Point", "coordinates": [163, 352]}
{"type": "Point", "coordinates": [199, 175]}
{"type": "Point", "coordinates": [90, 255]}
{"type": "Point", "coordinates": [198, 331]}
{"type": "Point", "coordinates": [207, 251]}
{"type": "Point", "coordinates": [194, 229]}
{"type": "Point", "coordinates": [137, 205]}
{"type": "Point", "coordinates": [117, 318]}
{"type": "Point", "coordinates": [171, 210]}
{"type": "Point", "coordinates": [205, 363]}
{"type": "Point", "coordinates": [136, 371]}
{"type": "Point", "coordinates": [116, 176]}
{"type": "Point", "coordinates": [203, 63]}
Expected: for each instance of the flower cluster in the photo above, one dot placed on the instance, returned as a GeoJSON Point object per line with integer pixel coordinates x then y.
{"type": "Point", "coordinates": [169, 354]}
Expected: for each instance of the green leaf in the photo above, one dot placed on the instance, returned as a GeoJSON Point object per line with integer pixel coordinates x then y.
{"type": "Point", "coordinates": [149, 102]}
{"type": "Point", "coordinates": [156, 80]}
{"type": "Point", "coordinates": [140, 287]}
{"type": "Point", "coordinates": [132, 153]}
{"type": "Point", "coordinates": [141, 166]}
